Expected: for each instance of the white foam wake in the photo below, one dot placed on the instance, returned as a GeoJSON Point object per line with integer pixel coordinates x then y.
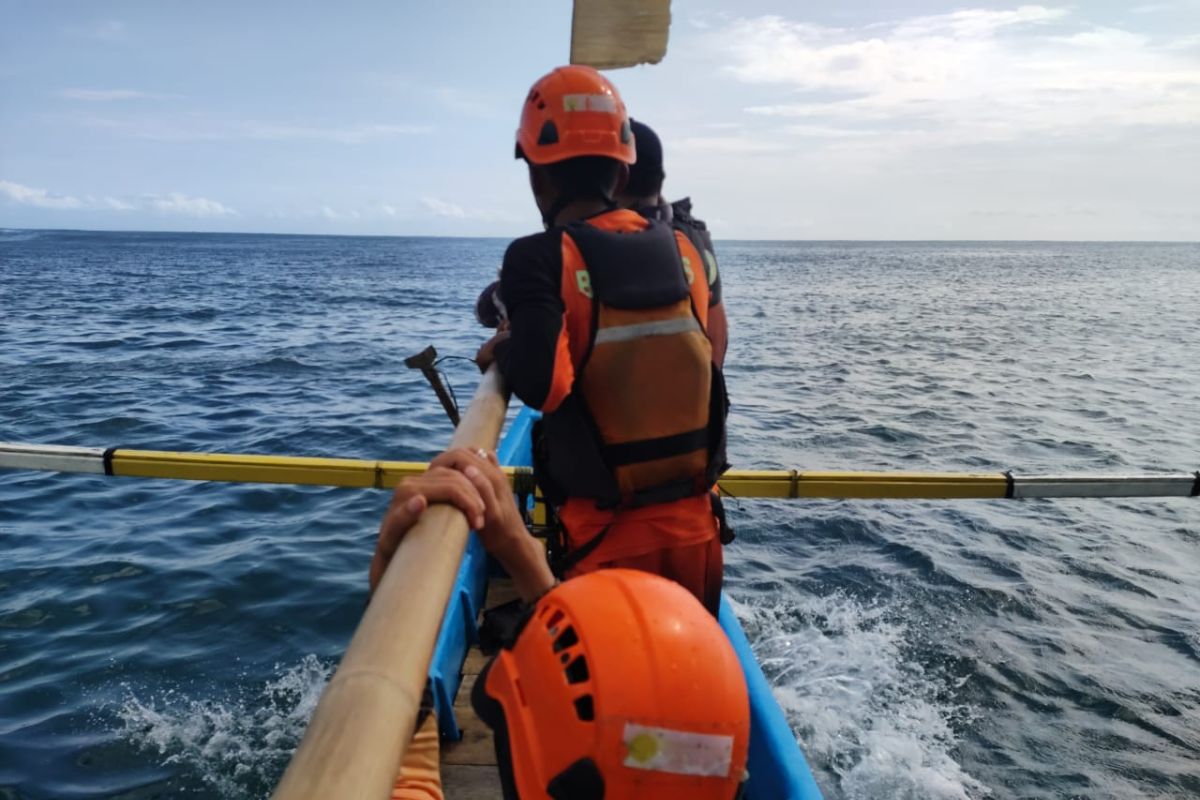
{"type": "Point", "coordinates": [237, 747]}
{"type": "Point", "coordinates": [868, 719]}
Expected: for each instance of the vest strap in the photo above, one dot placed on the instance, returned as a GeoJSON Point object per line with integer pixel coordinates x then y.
{"type": "Point", "coordinates": [570, 558]}
{"type": "Point", "coordinates": [663, 493]}
{"type": "Point", "coordinates": [619, 455]}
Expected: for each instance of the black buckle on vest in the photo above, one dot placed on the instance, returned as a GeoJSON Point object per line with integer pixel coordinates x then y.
{"type": "Point", "coordinates": [723, 530]}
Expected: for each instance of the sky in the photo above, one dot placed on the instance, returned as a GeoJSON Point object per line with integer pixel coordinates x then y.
{"type": "Point", "coordinates": [905, 119]}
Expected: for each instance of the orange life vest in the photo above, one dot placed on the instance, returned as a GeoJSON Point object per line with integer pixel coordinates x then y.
{"type": "Point", "coordinates": [644, 421]}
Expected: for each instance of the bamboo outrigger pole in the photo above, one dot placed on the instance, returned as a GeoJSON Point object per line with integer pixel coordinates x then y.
{"type": "Point", "coordinates": [365, 718]}
{"type": "Point", "coordinates": [793, 484]}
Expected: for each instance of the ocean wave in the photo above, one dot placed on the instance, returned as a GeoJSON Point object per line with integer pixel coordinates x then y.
{"type": "Point", "coordinates": [874, 722]}
{"type": "Point", "coordinates": [237, 747]}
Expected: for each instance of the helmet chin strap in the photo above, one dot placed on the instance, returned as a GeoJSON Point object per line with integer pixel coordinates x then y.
{"type": "Point", "coordinates": [566, 198]}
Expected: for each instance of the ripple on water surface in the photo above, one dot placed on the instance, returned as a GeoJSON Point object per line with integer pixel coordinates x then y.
{"type": "Point", "coordinates": [160, 639]}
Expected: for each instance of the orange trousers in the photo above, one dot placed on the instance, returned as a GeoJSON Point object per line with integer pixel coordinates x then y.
{"type": "Point", "coordinates": [698, 567]}
{"type": "Point", "coordinates": [420, 775]}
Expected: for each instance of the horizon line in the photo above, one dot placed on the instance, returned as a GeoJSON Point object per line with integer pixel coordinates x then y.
{"type": "Point", "coordinates": [5, 229]}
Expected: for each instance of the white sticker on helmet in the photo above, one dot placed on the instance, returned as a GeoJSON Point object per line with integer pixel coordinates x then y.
{"type": "Point", "coordinates": [590, 102]}
{"type": "Point", "coordinates": [680, 752]}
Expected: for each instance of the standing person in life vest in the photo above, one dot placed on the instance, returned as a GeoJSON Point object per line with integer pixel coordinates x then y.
{"type": "Point", "coordinates": [607, 313]}
{"type": "Point", "coordinates": [643, 193]}
{"type": "Point", "coordinates": [639, 694]}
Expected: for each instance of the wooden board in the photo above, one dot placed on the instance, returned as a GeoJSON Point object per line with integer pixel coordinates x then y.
{"type": "Point", "coordinates": [470, 783]}
{"type": "Point", "coordinates": [609, 34]}
{"type": "Point", "coordinates": [469, 766]}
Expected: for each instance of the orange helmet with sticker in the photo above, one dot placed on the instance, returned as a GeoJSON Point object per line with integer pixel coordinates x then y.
{"type": "Point", "coordinates": [619, 685]}
{"type": "Point", "coordinates": [574, 111]}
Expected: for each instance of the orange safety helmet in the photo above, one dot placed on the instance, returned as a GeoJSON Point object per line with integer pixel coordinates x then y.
{"type": "Point", "coordinates": [619, 685]}
{"type": "Point", "coordinates": [574, 111]}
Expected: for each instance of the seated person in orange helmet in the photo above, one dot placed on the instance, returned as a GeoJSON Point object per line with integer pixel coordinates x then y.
{"type": "Point", "coordinates": [617, 685]}
{"type": "Point", "coordinates": [607, 315]}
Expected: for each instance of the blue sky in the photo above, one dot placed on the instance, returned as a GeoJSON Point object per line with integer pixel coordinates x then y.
{"type": "Point", "coordinates": [873, 120]}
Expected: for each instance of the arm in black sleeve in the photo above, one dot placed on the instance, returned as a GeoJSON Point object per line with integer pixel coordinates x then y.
{"type": "Point", "coordinates": [529, 287]}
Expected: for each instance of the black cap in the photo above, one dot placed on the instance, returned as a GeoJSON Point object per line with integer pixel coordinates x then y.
{"type": "Point", "coordinates": [645, 174]}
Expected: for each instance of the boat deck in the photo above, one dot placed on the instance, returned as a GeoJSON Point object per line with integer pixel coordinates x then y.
{"type": "Point", "coordinates": [469, 766]}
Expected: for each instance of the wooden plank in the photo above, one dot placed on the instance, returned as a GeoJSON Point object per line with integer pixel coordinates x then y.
{"type": "Point", "coordinates": [462, 703]}
{"type": "Point", "coordinates": [500, 591]}
{"type": "Point", "coordinates": [469, 766]}
{"type": "Point", "coordinates": [471, 783]}
{"type": "Point", "coordinates": [476, 746]}
{"type": "Point", "coordinates": [475, 662]}
{"type": "Point", "coordinates": [609, 34]}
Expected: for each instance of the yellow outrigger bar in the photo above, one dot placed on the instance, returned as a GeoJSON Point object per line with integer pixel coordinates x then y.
{"type": "Point", "coordinates": [352, 473]}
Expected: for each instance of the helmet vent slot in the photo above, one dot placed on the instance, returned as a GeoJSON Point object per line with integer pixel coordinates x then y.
{"type": "Point", "coordinates": [577, 670]}
{"type": "Point", "coordinates": [548, 134]}
{"type": "Point", "coordinates": [568, 638]}
{"type": "Point", "coordinates": [585, 709]}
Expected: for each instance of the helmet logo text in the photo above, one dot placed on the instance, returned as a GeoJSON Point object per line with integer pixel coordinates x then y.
{"type": "Point", "coordinates": [590, 102]}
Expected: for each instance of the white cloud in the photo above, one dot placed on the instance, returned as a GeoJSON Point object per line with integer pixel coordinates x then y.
{"type": "Point", "coordinates": [1107, 39]}
{"type": "Point", "coordinates": [467, 103]}
{"type": "Point", "coordinates": [174, 203]}
{"type": "Point", "coordinates": [353, 134]}
{"type": "Point", "coordinates": [39, 198]}
{"type": "Point", "coordinates": [391, 211]}
{"type": "Point", "coordinates": [177, 203]}
{"type": "Point", "coordinates": [975, 23]}
{"type": "Point", "coordinates": [744, 144]}
{"type": "Point", "coordinates": [1152, 8]}
{"type": "Point", "coordinates": [407, 88]}
{"type": "Point", "coordinates": [110, 203]}
{"type": "Point", "coordinates": [451, 210]}
{"type": "Point", "coordinates": [966, 77]}
{"type": "Point", "coordinates": [105, 95]}
{"type": "Point", "coordinates": [444, 208]}
{"type": "Point", "coordinates": [1184, 43]}
{"type": "Point", "coordinates": [199, 127]}
{"type": "Point", "coordinates": [332, 214]}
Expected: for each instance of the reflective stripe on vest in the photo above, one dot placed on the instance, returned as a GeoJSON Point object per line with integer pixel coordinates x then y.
{"type": "Point", "coordinates": [666, 327]}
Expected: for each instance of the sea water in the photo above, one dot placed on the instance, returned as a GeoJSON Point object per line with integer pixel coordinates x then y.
{"type": "Point", "coordinates": [162, 638]}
